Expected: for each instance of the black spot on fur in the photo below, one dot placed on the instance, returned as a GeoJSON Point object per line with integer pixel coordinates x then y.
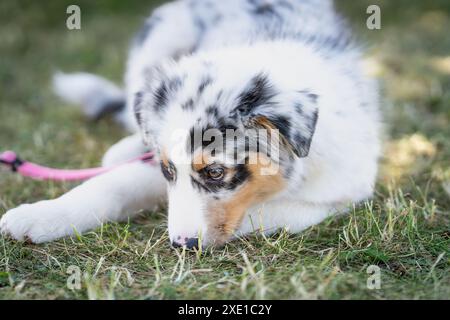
{"type": "Point", "coordinates": [299, 108]}
{"type": "Point", "coordinates": [314, 97]}
{"type": "Point", "coordinates": [301, 141]}
{"type": "Point", "coordinates": [311, 96]}
{"type": "Point", "coordinates": [205, 83]}
{"type": "Point", "coordinates": [138, 107]}
{"type": "Point", "coordinates": [224, 124]}
{"type": "Point", "coordinates": [175, 84]}
{"type": "Point", "coordinates": [269, 10]}
{"type": "Point", "coordinates": [264, 9]}
{"type": "Point", "coordinates": [212, 111]}
{"type": "Point", "coordinates": [188, 105]}
{"type": "Point", "coordinates": [161, 95]}
{"type": "Point", "coordinates": [301, 144]}
{"type": "Point", "coordinates": [313, 121]}
{"type": "Point", "coordinates": [259, 92]}
{"type": "Point", "coordinates": [282, 123]}
{"type": "Point", "coordinates": [219, 95]}
{"type": "Point", "coordinates": [242, 175]}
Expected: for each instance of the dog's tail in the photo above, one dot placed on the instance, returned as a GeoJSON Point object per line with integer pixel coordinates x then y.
{"type": "Point", "coordinates": [95, 95]}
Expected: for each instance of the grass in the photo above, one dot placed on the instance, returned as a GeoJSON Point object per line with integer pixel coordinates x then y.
{"type": "Point", "coordinates": [404, 230]}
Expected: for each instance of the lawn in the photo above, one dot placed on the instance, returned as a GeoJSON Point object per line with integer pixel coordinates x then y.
{"type": "Point", "coordinates": [404, 230]}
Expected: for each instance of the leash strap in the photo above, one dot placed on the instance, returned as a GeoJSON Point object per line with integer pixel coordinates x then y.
{"type": "Point", "coordinates": [35, 171]}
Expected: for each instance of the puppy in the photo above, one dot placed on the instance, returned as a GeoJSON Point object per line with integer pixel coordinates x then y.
{"type": "Point", "coordinates": [229, 70]}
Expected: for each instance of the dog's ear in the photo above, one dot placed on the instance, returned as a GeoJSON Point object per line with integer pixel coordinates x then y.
{"type": "Point", "coordinates": [294, 114]}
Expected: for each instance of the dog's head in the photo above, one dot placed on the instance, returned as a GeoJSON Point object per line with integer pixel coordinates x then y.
{"type": "Point", "coordinates": [227, 140]}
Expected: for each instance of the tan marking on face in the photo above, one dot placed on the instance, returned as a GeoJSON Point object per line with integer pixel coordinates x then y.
{"type": "Point", "coordinates": [269, 126]}
{"type": "Point", "coordinates": [264, 122]}
{"type": "Point", "coordinates": [164, 158]}
{"type": "Point", "coordinates": [227, 216]}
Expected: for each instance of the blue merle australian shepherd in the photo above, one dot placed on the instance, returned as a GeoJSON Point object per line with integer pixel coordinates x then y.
{"type": "Point", "coordinates": [258, 112]}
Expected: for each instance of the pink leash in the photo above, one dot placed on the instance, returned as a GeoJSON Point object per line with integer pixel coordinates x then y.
{"type": "Point", "coordinates": [31, 170]}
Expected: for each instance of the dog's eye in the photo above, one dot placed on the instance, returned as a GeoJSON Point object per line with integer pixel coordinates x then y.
{"type": "Point", "coordinates": [168, 171]}
{"type": "Point", "coordinates": [215, 173]}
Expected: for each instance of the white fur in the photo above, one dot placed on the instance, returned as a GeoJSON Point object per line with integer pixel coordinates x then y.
{"type": "Point", "coordinates": [86, 90]}
{"type": "Point", "coordinates": [113, 196]}
{"type": "Point", "coordinates": [342, 163]}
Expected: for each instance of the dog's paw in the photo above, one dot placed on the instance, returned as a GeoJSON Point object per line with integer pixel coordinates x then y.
{"type": "Point", "coordinates": [37, 223]}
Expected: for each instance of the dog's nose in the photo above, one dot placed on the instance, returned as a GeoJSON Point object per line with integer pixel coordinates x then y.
{"type": "Point", "coordinates": [190, 243]}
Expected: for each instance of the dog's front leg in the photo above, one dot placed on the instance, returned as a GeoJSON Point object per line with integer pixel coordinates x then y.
{"type": "Point", "coordinates": [113, 196]}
